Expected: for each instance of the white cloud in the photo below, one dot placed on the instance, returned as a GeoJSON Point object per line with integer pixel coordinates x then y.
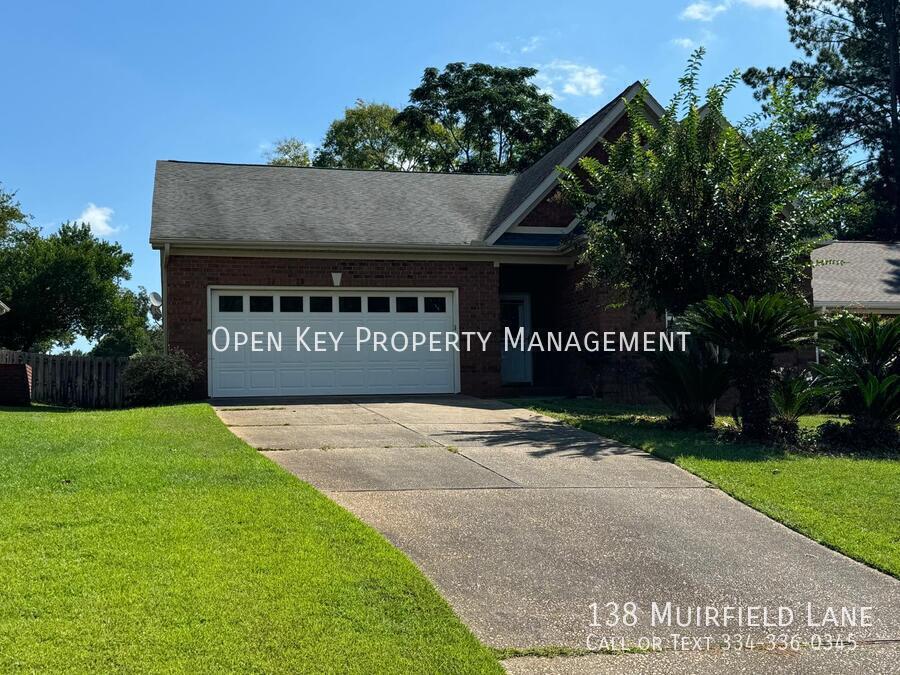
{"type": "Point", "coordinates": [98, 218]}
{"type": "Point", "coordinates": [531, 44]}
{"type": "Point", "coordinates": [519, 45]}
{"type": "Point", "coordinates": [684, 43]}
{"type": "Point", "coordinates": [702, 37]}
{"type": "Point", "coordinates": [703, 11]}
{"type": "Point", "coordinates": [767, 4]}
{"type": "Point", "coordinates": [559, 78]}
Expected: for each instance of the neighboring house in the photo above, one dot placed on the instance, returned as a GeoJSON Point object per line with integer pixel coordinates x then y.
{"type": "Point", "coordinates": [865, 277]}
{"type": "Point", "coordinates": [268, 248]}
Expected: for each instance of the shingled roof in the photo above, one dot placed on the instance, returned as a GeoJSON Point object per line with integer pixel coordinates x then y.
{"type": "Point", "coordinates": [277, 204]}
{"type": "Point", "coordinates": [200, 202]}
{"type": "Point", "coordinates": [868, 278]}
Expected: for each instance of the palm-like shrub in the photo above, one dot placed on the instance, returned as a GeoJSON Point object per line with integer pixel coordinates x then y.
{"type": "Point", "coordinates": [793, 395]}
{"type": "Point", "coordinates": [688, 383]}
{"type": "Point", "coordinates": [753, 331]}
{"type": "Point", "coordinates": [860, 371]}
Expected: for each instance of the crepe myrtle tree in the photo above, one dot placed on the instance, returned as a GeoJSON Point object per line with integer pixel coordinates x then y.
{"type": "Point", "coordinates": [690, 205]}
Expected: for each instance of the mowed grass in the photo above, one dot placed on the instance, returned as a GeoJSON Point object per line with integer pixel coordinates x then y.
{"type": "Point", "coordinates": [851, 504]}
{"type": "Point", "coordinates": [153, 540]}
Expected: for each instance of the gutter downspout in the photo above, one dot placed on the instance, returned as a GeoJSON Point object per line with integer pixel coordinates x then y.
{"type": "Point", "coordinates": [163, 264]}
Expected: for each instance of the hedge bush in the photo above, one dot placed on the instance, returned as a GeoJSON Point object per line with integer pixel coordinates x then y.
{"type": "Point", "coordinates": [154, 379]}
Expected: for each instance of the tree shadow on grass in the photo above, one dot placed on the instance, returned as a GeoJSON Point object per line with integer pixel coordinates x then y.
{"type": "Point", "coordinates": [38, 408]}
{"type": "Point", "coordinates": [645, 427]}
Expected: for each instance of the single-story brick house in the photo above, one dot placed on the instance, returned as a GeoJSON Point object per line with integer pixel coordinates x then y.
{"type": "Point", "coordinates": [258, 247]}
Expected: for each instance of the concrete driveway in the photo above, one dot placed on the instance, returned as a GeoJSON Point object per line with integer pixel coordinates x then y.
{"type": "Point", "coordinates": [522, 523]}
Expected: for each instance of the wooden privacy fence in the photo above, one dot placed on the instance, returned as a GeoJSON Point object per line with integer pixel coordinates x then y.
{"type": "Point", "coordinates": [84, 381]}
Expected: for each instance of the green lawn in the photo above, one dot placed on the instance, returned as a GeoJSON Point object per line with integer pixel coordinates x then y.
{"type": "Point", "coordinates": [154, 540]}
{"type": "Point", "coordinates": [847, 503]}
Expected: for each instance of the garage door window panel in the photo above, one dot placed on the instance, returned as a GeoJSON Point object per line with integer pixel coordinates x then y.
{"type": "Point", "coordinates": [435, 305]}
{"type": "Point", "coordinates": [407, 305]}
{"type": "Point", "coordinates": [262, 303]}
{"type": "Point", "coordinates": [231, 303]}
{"type": "Point", "coordinates": [350, 304]}
{"type": "Point", "coordinates": [290, 303]}
{"type": "Point", "coordinates": [321, 303]}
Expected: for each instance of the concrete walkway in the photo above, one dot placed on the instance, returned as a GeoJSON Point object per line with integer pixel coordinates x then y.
{"type": "Point", "coordinates": [522, 523]}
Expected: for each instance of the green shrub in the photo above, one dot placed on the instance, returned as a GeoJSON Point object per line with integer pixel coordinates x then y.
{"type": "Point", "coordinates": [154, 379]}
{"type": "Point", "coordinates": [688, 383]}
{"type": "Point", "coordinates": [751, 332]}
{"type": "Point", "coordinates": [850, 438]}
{"type": "Point", "coordinates": [793, 394]}
{"type": "Point", "coordinates": [860, 372]}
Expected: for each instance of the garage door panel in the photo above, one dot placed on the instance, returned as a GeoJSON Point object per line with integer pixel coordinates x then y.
{"type": "Point", "coordinates": [291, 380]}
{"type": "Point", "coordinates": [263, 379]}
{"type": "Point", "coordinates": [232, 380]}
{"type": "Point", "coordinates": [348, 378]}
{"type": "Point", "coordinates": [293, 371]}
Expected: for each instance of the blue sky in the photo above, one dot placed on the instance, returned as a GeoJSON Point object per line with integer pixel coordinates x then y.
{"type": "Point", "coordinates": [95, 92]}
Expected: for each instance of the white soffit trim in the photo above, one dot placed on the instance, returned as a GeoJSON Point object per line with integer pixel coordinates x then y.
{"type": "Point", "coordinates": [550, 181]}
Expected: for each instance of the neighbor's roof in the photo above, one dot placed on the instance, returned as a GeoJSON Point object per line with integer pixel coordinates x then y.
{"type": "Point", "coordinates": [201, 202]}
{"type": "Point", "coordinates": [868, 278]}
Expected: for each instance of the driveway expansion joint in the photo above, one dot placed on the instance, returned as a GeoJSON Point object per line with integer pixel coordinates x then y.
{"type": "Point", "coordinates": [445, 445]}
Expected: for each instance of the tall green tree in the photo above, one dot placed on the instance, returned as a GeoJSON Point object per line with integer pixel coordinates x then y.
{"type": "Point", "coordinates": [59, 286]}
{"type": "Point", "coordinates": [11, 214]}
{"type": "Point", "coordinates": [131, 330]}
{"type": "Point", "coordinates": [466, 118]}
{"type": "Point", "coordinates": [289, 152]}
{"type": "Point", "coordinates": [367, 138]}
{"type": "Point", "coordinates": [850, 52]}
{"type": "Point", "coordinates": [690, 206]}
{"type": "Point", "coordinates": [490, 118]}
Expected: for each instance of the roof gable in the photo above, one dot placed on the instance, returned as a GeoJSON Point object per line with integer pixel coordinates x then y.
{"type": "Point", "coordinates": [538, 181]}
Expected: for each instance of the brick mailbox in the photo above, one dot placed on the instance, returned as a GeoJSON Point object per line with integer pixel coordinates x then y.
{"type": "Point", "coordinates": [15, 384]}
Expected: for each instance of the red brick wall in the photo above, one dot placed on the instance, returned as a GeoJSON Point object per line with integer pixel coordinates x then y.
{"type": "Point", "coordinates": [618, 376]}
{"type": "Point", "coordinates": [553, 211]}
{"type": "Point", "coordinates": [187, 278]}
{"type": "Point", "coordinates": [15, 384]}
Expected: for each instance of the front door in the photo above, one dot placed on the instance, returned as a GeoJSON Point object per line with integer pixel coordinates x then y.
{"type": "Point", "coordinates": [515, 313]}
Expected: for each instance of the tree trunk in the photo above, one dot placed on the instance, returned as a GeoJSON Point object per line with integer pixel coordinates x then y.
{"type": "Point", "coordinates": [893, 48]}
{"type": "Point", "coordinates": [754, 387]}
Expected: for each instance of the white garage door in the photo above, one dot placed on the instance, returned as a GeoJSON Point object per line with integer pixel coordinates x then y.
{"type": "Point", "coordinates": [293, 372]}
